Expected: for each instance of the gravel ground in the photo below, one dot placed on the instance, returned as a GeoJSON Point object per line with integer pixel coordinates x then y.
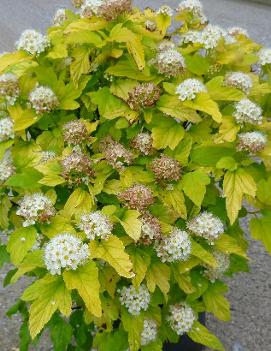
{"type": "Point", "coordinates": [250, 294]}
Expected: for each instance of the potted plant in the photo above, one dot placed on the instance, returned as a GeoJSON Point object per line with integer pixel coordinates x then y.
{"type": "Point", "coordinates": [129, 152]}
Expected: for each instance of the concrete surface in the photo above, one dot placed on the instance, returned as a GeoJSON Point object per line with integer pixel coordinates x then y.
{"type": "Point", "coordinates": [250, 294]}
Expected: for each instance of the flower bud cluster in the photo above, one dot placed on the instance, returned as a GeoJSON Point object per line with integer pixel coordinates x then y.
{"type": "Point", "coordinates": [59, 17]}
{"type": "Point", "coordinates": [75, 132]}
{"type": "Point", "coordinates": [252, 142]}
{"type": "Point", "coordinates": [150, 229]}
{"type": "Point", "coordinates": [170, 62]}
{"type": "Point", "coordinates": [207, 226]}
{"type": "Point", "coordinates": [165, 10]}
{"type": "Point", "coordinates": [237, 31]}
{"type": "Point", "coordinates": [189, 89]}
{"type": "Point", "coordinates": [239, 80]}
{"type": "Point", "coordinates": [7, 168]}
{"type": "Point", "coordinates": [6, 129]}
{"type": "Point", "coordinates": [181, 318]}
{"type": "Point", "coordinates": [149, 332]}
{"type": "Point", "coordinates": [96, 225]}
{"type": "Point", "coordinates": [264, 56]}
{"type": "Point", "coordinates": [43, 99]}
{"type": "Point", "coordinates": [137, 197]}
{"type": "Point", "coordinates": [77, 168]}
{"type": "Point", "coordinates": [9, 87]}
{"type": "Point", "coordinates": [135, 299]}
{"type": "Point", "coordinates": [143, 95]}
{"type": "Point", "coordinates": [65, 251]}
{"type": "Point", "coordinates": [33, 42]}
{"type": "Point", "coordinates": [111, 9]}
{"type": "Point", "coordinates": [143, 143]}
{"type": "Point", "coordinates": [77, 3]}
{"type": "Point", "coordinates": [150, 25]}
{"type": "Point", "coordinates": [174, 247]}
{"type": "Point", "coordinates": [90, 8]}
{"type": "Point", "coordinates": [166, 168]}
{"type": "Point", "coordinates": [35, 208]}
{"type": "Point", "coordinates": [223, 264]}
{"type": "Point", "coordinates": [247, 111]}
{"type": "Point", "coordinates": [115, 153]}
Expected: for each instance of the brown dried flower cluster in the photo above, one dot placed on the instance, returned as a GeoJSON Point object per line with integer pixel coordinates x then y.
{"type": "Point", "coordinates": [150, 230]}
{"type": "Point", "coordinates": [115, 153]}
{"type": "Point", "coordinates": [137, 197]}
{"type": "Point", "coordinates": [143, 143]}
{"type": "Point", "coordinates": [75, 132]}
{"type": "Point", "coordinates": [77, 168]}
{"type": "Point", "coordinates": [166, 168]}
{"type": "Point", "coordinates": [143, 95]}
{"type": "Point", "coordinates": [77, 3]}
{"type": "Point", "coordinates": [111, 9]}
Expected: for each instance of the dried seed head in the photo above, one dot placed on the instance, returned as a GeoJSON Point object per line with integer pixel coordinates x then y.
{"type": "Point", "coordinates": [77, 168]}
{"type": "Point", "coordinates": [143, 95]}
{"type": "Point", "coordinates": [9, 87]}
{"type": "Point", "coordinates": [90, 8]}
{"type": "Point", "coordinates": [137, 197]}
{"type": "Point", "coordinates": [77, 3]}
{"type": "Point", "coordinates": [111, 9]}
{"type": "Point", "coordinates": [115, 153]}
{"type": "Point", "coordinates": [75, 132]}
{"type": "Point", "coordinates": [143, 143]}
{"type": "Point", "coordinates": [150, 25]}
{"type": "Point", "coordinates": [238, 31]}
{"type": "Point", "coordinates": [252, 142]}
{"type": "Point", "coordinates": [170, 63]}
{"type": "Point", "coordinates": [166, 168]}
{"type": "Point", "coordinates": [150, 229]}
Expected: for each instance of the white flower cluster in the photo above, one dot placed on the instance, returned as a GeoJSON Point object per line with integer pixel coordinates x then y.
{"type": "Point", "coordinates": [170, 62]}
{"type": "Point", "coordinates": [34, 208]}
{"type": "Point", "coordinates": [247, 111]}
{"type": "Point", "coordinates": [65, 251]}
{"type": "Point", "coordinates": [9, 87]}
{"type": "Point", "coordinates": [90, 8]}
{"type": "Point", "coordinates": [6, 129]}
{"type": "Point", "coordinates": [165, 45]}
{"type": "Point", "coordinates": [135, 299]}
{"type": "Point", "coordinates": [191, 36]}
{"type": "Point", "coordinates": [149, 332]}
{"type": "Point", "coordinates": [43, 99]}
{"type": "Point", "coordinates": [207, 226]}
{"type": "Point", "coordinates": [96, 225]}
{"type": "Point", "coordinates": [181, 318]}
{"type": "Point", "coordinates": [189, 89]}
{"type": "Point", "coordinates": [6, 167]}
{"type": "Point", "coordinates": [59, 17]}
{"type": "Point", "coordinates": [239, 80]}
{"type": "Point", "coordinates": [33, 42]}
{"type": "Point", "coordinates": [47, 156]}
{"type": "Point", "coordinates": [165, 10]}
{"type": "Point", "coordinates": [223, 264]}
{"type": "Point", "coordinates": [211, 35]}
{"type": "Point", "coordinates": [174, 247]}
{"type": "Point", "coordinates": [237, 31]}
{"type": "Point", "coordinates": [252, 141]}
{"type": "Point", "coordinates": [264, 56]}
{"type": "Point", "coordinates": [195, 7]}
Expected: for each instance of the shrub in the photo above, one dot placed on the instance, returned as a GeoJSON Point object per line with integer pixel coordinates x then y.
{"type": "Point", "coordinates": [129, 153]}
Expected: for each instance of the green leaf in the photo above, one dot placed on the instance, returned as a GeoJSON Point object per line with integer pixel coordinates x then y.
{"type": "Point", "coordinates": [4, 146]}
{"type": "Point", "coordinates": [28, 179]}
{"type": "Point", "coordinates": [195, 180]}
{"type": "Point", "coordinates": [227, 163]}
{"type": "Point", "coordinates": [49, 295]}
{"type": "Point", "coordinates": [218, 91]}
{"type": "Point", "coordinates": [176, 201]}
{"type": "Point", "coordinates": [204, 103]}
{"type": "Point", "coordinates": [235, 185]}
{"type": "Point", "coordinates": [141, 261]}
{"type": "Point", "coordinates": [216, 303]}
{"type": "Point", "coordinates": [197, 64]}
{"type": "Point", "coordinates": [25, 338]}
{"type": "Point", "coordinates": [81, 63]}
{"type": "Point", "coordinates": [201, 335]}
{"type": "Point", "coordinates": [61, 333]}
{"type": "Point", "coordinates": [84, 37]}
{"type": "Point", "coordinates": [5, 206]}
{"type": "Point", "coordinates": [58, 224]}
{"type": "Point", "coordinates": [158, 275]}
{"type": "Point", "coordinates": [113, 252]}
{"type": "Point", "coordinates": [4, 256]}
{"type": "Point", "coordinates": [134, 326]}
{"type": "Point", "coordinates": [31, 261]}
{"type": "Point", "coordinates": [85, 281]}
{"type": "Point", "coordinates": [209, 155]}
{"type": "Point", "coordinates": [173, 107]}
{"type": "Point", "coordinates": [264, 191]}
{"type": "Point", "coordinates": [126, 67]}
{"type": "Point", "coordinates": [23, 238]}
{"type": "Point", "coordinates": [79, 202]}
{"type": "Point", "coordinates": [115, 341]}
{"type": "Point", "coordinates": [167, 133]}
{"type": "Point", "coordinates": [131, 224]}
{"type": "Point", "coordinates": [110, 106]}
{"type": "Point", "coordinates": [260, 230]}
{"type": "Point", "coordinates": [228, 245]}
{"type": "Point", "coordinates": [182, 151]}
{"type": "Point", "coordinates": [22, 118]}
{"type": "Point", "coordinates": [202, 254]}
